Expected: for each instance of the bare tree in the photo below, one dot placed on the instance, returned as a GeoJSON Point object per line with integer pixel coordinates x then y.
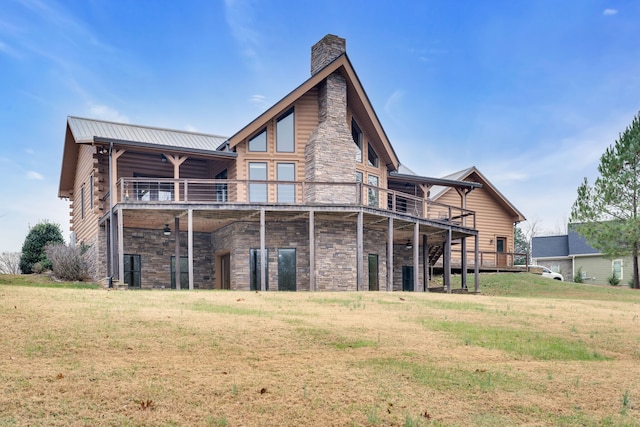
{"type": "Point", "coordinates": [10, 263]}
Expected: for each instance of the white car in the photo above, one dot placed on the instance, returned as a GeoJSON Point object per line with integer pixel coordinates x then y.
{"type": "Point", "coordinates": [546, 272]}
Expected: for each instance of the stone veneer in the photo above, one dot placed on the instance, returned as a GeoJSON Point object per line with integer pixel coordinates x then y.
{"type": "Point", "coordinates": [330, 152]}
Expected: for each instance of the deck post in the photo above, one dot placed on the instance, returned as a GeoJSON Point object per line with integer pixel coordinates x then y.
{"type": "Point", "coordinates": [476, 268]}
{"type": "Point", "coordinates": [312, 251]}
{"type": "Point", "coordinates": [263, 258]}
{"type": "Point", "coordinates": [390, 254]}
{"type": "Point", "coordinates": [463, 262]}
{"type": "Point", "coordinates": [177, 256]}
{"type": "Point", "coordinates": [359, 253]}
{"type": "Point", "coordinates": [190, 246]}
{"type": "Point", "coordinates": [447, 261]}
{"type": "Point", "coordinates": [416, 257]}
{"type": "Point", "coordinates": [120, 246]}
{"type": "Point", "coordinates": [425, 262]}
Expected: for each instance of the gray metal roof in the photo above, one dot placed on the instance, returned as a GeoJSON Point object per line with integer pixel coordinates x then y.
{"type": "Point", "coordinates": [549, 246]}
{"type": "Point", "coordinates": [437, 190]}
{"type": "Point", "coordinates": [86, 130]}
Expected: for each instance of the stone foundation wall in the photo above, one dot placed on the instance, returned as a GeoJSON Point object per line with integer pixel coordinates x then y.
{"type": "Point", "coordinates": [155, 250]}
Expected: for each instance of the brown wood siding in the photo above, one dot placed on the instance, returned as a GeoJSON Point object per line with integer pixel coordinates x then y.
{"type": "Point", "coordinates": [491, 219]}
{"type": "Point", "coordinates": [86, 228]}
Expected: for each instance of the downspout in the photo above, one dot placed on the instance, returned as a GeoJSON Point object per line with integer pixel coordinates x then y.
{"type": "Point", "coordinates": [111, 239]}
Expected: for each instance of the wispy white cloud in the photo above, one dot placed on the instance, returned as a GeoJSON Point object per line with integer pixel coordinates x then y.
{"type": "Point", "coordinates": [240, 19]}
{"type": "Point", "coordinates": [34, 176]}
{"type": "Point", "coordinates": [190, 128]}
{"type": "Point", "coordinates": [259, 100]}
{"type": "Point", "coordinates": [610, 12]}
{"type": "Point", "coordinates": [105, 112]}
{"type": "Point", "coordinates": [5, 48]}
{"type": "Point", "coordinates": [393, 105]}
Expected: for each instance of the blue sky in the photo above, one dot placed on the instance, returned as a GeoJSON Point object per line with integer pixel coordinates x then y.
{"type": "Point", "coordinates": [530, 92]}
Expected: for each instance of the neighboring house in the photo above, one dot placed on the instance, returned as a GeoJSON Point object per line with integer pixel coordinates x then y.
{"type": "Point", "coordinates": [569, 253]}
{"type": "Point", "coordinates": [308, 196]}
{"type": "Point", "coordinates": [495, 217]}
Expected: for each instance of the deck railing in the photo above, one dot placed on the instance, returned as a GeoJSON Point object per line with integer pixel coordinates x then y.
{"type": "Point", "coordinates": [228, 191]}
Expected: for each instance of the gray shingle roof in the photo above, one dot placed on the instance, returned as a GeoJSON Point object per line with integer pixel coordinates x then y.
{"type": "Point", "coordinates": [549, 246]}
{"type": "Point", "coordinates": [578, 244]}
{"type": "Point", "coordinates": [84, 131]}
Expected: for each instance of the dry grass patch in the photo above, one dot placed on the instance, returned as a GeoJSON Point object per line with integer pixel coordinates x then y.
{"type": "Point", "coordinates": [220, 358]}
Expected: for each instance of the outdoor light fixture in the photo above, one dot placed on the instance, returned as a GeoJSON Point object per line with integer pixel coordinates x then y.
{"type": "Point", "coordinates": [408, 245]}
{"type": "Point", "coordinates": [102, 150]}
{"type": "Point", "coordinates": [167, 230]}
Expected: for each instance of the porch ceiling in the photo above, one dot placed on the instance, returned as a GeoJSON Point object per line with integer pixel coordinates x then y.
{"type": "Point", "coordinates": [210, 220]}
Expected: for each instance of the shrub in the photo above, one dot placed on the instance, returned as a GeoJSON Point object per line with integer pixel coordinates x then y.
{"type": "Point", "coordinates": [71, 263]}
{"type": "Point", "coordinates": [613, 280]}
{"type": "Point", "coordinates": [42, 234]}
{"type": "Point", "coordinates": [578, 277]}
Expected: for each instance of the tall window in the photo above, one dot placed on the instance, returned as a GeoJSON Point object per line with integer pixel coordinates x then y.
{"type": "Point", "coordinates": [616, 267]}
{"type": "Point", "coordinates": [285, 133]}
{"type": "Point", "coordinates": [258, 191]}
{"type": "Point", "coordinates": [286, 192]}
{"type": "Point", "coordinates": [373, 192]}
{"type": "Point", "coordinates": [356, 134]}
{"type": "Point", "coordinates": [184, 272]}
{"type": "Point", "coordinates": [82, 202]}
{"type": "Point", "coordinates": [91, 190]}
{"type": "Point", "coordinates": [373, 273]}
{"type": "Point", "coordinates": [259, 142]}
{"type": "Point", "coordinates": [372, 156]}
{"type": "Point", "coordinates": [221, 189]}
{"type": "Point", "coordinates": [132, 269]}
{"type": "Point", "coordinates": [254, 269]}
{"type": "Point", "coordinates": [286, 269]}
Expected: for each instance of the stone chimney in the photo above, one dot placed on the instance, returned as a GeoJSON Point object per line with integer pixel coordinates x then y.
{"type": "Point", "coordinates": [330, 154]}
{"type": "Point", "coordinates": [325, 51]}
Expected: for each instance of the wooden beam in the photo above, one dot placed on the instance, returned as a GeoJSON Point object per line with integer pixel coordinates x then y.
{"type": "Point", "coordinates": [476, 268]}
{"type": "Point", "coordinates": [416, 258]}
{"type": "Point", "coordinates": [463, 262]}
{"type": "Point", "coordinates": [312, 251]}
{"type": "Point", "coordinates": [390, 255]}
{"type": "Point", "coordinates": [360, 253]}
{"type": "Point", "coordinates": [177, 254]}
{"type": "Point", "coordinates": [425, 262]}
{"type": "Point", "coordinates": [446, 261]}
{"type": "Point", "coordinates": [263, 258]}
{"type": "Point", "coordinates": [190, 247]}
{"type": "Point", "coordinates": [120, 246]}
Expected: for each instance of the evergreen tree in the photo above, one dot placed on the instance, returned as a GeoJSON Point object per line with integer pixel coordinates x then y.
{"type": "Point", "coordinates": [42, 234]}
{"type": "Point", "coordinates": [607, 213]}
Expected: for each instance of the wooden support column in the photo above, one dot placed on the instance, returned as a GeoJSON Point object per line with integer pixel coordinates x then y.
{"type": "Point", "coordinates": [176, 161]}
{"type": "Point", "coordinates": [115, 155]}
{"type": "Point", "coordinates": [176, 263]}
{"type": "Point", "coordinates": [359, 253]}
{"type": "Point", "coordinates": [120, 246]}
{"type": "Point", "coordinates": [390, 255]}
{"type": "Point", "coordinates": [263, 258]}
{"type": "Point", "coordinates": [312, 251]}
{"type": "Point", "coordinates": [416, 257]}
{"type": "Point", "coordinates": [476, 265]}
{"type": "Point", "coordinates": [446, 261]}
{"type": "Point", "coordinates": [425, 262]}
{"type": "Point", "coordinates": [463, 262]}
{"type": "Point", "coordinates": [190, 246]}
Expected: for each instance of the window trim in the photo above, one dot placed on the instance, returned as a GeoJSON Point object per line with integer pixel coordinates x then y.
{"type": "Point", "coordinates": [376, 162]}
